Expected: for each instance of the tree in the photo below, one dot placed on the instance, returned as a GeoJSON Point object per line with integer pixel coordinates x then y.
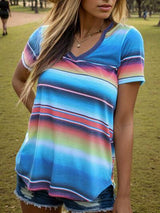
{"type": "Point", "coordinates": [32, 5]}
{"type": "Point", "coordinates": [158, 2]}
{"type": "Point", "coordinates": [24, 3]}
{"type": "Point", "coordinates": [41, 3]}
{"type": "Point", "coordinates": [130, 6]}
{"type": "Point", "coordinates": [14, 2]}
{"type": "Point", "coordinates": [36, 6]}
{"type": "Point", "coordinates": [139, 3]}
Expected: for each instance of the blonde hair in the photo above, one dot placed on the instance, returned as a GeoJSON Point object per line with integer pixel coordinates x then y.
{"type": "Point", "coordinates": [120, 11]}
{"type": "Point", "coordinates": [58, 38]}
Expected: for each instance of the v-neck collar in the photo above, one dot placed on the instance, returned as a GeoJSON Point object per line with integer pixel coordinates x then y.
{"type": "Point", "coordinates": [94, 47]}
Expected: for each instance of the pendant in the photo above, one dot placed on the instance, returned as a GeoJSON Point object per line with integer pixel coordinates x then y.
{"type": "Point", "coordinates": [78, 45]}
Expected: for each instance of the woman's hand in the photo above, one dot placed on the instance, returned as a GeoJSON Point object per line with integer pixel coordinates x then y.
{"type": "Point", "coordinates": [122, 205]}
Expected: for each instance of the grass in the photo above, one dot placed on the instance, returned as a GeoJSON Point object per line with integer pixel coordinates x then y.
{"type": "Point", "coordinates": [146, 170]}
{"type": "Point", "coordinates": [146, 158]}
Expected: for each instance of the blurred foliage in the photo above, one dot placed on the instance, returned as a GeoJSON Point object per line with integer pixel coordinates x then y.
{"type": "Point", "coordinates": [152, 6]}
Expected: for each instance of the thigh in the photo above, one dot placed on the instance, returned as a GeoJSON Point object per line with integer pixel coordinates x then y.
{"type": "Point", "coordinates": [102, 212]}
{"type": "Point", "coordinates": [33, 209]}
{"type": "Point", "coordinates": [4, 21]}
{"type": "Point", "coordinates": [97, 212]}
{"type": "Point", "coordinates": [36, 201]}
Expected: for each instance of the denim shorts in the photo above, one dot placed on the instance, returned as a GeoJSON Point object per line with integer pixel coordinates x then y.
{"type": "Point", "coordinates": [104, 202]}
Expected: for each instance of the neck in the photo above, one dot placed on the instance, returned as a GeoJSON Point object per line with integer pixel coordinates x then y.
{"type": "Point", "coordinates": [88, 24]}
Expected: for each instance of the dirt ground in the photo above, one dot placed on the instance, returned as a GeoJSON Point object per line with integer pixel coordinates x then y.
{"type": "Point", "coordinates": [18, 18]}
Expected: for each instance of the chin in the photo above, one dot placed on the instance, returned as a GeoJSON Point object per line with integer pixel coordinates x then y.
{"type": "Point", "coordinates": [104, 16]}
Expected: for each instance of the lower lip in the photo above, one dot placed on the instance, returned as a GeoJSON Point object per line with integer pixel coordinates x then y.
{"type": "Point", "coordinates": [105, 9]}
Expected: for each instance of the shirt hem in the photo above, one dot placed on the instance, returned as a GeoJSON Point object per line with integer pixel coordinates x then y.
{"type": "Point", "coordinates": [132, 79]}
{"type": "Point", "coordinates": [24, 64]}
{"type": "Point", "coordinates": [55, 191]}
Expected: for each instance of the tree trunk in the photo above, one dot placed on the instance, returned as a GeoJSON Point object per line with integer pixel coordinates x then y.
{"type": "Point", "coordinates": [41, 3]}
{"type": "Point", "coordinates": [36, 6]}
{"type": "Point", "coordinates": [32, 5]}
{"type": "Point", "coordinates": [11, 3]}
{"type": "Point", "coordinates": [130, 7]}
{"type": "Point", "coordinates": [139, 8]}
{"type": "Point", "coordinates": [24, 3]}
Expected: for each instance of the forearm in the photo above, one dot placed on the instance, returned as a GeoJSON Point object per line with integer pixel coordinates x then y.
{"type": "Point", "coordinates": [123, 136]}
{"type": "Point", "coordinates": [18, 87]}
{"type": "Point", "coordinates": [9, 10]}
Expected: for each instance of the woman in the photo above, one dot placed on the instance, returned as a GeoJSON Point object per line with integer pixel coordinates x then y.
{"type": "Point", "coordinates": [89, 68]}
{"type": "Point", "coordinates": [4, 14]}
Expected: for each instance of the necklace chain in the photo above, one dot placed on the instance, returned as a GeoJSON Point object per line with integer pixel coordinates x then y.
{"type": "Point", "coordinates": [89, 35]}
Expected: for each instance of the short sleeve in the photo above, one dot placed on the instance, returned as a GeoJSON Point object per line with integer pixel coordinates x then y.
{"type": "Point", "coordinates": [32, 49]}
{"type": "Point", "coordinates": [131, 68]}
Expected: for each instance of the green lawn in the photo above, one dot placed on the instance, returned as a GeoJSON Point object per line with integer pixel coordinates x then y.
{"type": "Point", "coordinates": [146, 159]}
{"type": "Point", "coordinates": [146, 162]}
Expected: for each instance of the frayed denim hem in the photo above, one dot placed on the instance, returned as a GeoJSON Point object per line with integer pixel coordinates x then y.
{"type": "Point", "coordinates": [55, 207]}
{"type": "Point", "coordinates": [35, 204]}
{"type": "Point", "coordinates": [89, 210]}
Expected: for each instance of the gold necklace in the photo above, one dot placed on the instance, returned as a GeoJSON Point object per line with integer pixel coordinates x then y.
{"type": "Point", "coordinates": [88, 36]}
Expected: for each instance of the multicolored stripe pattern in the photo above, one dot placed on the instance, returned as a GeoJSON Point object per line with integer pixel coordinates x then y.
{"type": "Point", "coordinates": [69, 147]}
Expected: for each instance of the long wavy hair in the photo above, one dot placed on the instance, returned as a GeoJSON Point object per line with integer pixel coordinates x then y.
{"type": "Point", "coordinates": [63, 23]}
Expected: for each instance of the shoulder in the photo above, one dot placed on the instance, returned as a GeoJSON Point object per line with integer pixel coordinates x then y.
{"type": "Point", "coordinates": [132, 39]}
{"type": "Point", "coordinates": [131, 32]}
{"type": "Point", "coordinates": [124, 31]}
{"type": "Point", "coordinates": [37, 36]}
{"type": "Point", "coordinates": [128, 35]}
{"type": "Point", "coordinates": [35, 40]}
{"type": "Point", "coordinates": [38, 33]}
{"type": "Point", "coordinates": [123, 34]}
{"type": "Point", "coordinates": [132, 42]}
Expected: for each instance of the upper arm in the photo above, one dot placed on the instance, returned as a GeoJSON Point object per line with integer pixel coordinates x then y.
{"type": "Point", "coordinates": [131, 67]}
{"type": "Point", "coordinates": [127, 94]}
{"type": "Point", "coordinates": [21, 73]}
{"type": "Point", "coordinates": [130, 76]}
{"type": "Point", "coordinates": [32, 49]}
{"type": "Point", "coordinates": [29, 56]}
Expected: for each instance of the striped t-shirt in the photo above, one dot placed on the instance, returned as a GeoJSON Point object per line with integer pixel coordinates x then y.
{"type": "Point", "coordinates": [69, 149]}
